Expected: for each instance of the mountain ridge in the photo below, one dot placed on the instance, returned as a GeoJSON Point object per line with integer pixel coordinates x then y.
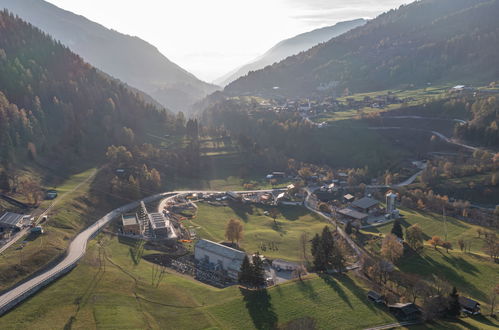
{"type": "Point", "coordinates": [128, 58]}
{"type": "Point", "coordinates": [424, 42]}
{"type": "Point", "coordinates": [290, 46]}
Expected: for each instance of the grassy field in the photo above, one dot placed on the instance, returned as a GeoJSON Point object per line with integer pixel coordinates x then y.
{"type": "Point", "coordinates": [433, 224]}
{"type": "Point", "coordinates": [108, 291]}
{"type": "Point", "coordinates": [417, 96]}
{"type": "Point", "coordinates": [472, 273]}
{"type": "Point", "coordinates": [68, 216]}
{"type": "Point", "coordinates": [259, 229]}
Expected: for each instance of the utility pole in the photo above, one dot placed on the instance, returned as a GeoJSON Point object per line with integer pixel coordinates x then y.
{"type": "Point", "coordinates": [445, 224]}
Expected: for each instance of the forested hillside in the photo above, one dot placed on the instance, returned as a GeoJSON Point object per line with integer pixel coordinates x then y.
{"type": "Point", "coordinates": [291, 46]}
{"type": "Point", "coordinates": [424, 42]}
{"type": "Point", "coordinates": [52, 103]}
{"type": "Point", "coordinates": [128, 58]}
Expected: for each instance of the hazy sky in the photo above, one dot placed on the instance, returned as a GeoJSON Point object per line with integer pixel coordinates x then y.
{"type": "Point", "coordinates": [211, 37]}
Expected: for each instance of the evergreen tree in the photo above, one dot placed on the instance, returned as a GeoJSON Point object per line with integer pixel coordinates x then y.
{"type": "Point", "coordinates": [454, 308]}
{"type": "Point", "coordinates": [4, 181]}
{"type": "Point", "coordinates": [315, 244]}
{"type": "Point", "coordinates": [348, 228]}
{"type": "Point", "coordinates": [258, 275]}
{"type": "Point", "coordinates": [320, 263]}
{"type": "Point", "coordinates": [397, 229]}
{"type": "Point", "coordinates": [245, 275]}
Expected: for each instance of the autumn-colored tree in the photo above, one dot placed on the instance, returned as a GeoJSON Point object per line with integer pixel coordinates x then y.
{"type": "Point", "coordinates": [323, 207]}
{"type": "Point", "coordinates": [414, 237]}
{"type": "Point", "coordinates": [234, 231]}
{"type": "Point", "coordinates": [435, 241]}
{"type": "Point", "coordinates": [391, 248]}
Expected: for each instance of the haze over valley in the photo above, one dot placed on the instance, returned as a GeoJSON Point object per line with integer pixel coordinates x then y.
{"type": "Point", "coordinates": [341, 172]}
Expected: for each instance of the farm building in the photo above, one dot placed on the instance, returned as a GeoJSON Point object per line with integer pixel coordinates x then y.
{"type": "Point", "coordinates": [405, 311]}
{"type": "Point", "coordinates": [469, 306]}
{"type": "Point", "coordinates": [214, 256]}
{"type": "Point", "coordinates": [366, 204]}
{"type": "Point", "coordinates": [353, 214]}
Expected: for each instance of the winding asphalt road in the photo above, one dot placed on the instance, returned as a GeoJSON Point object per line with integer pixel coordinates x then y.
{"type": "Point", "coordinates": [77, 249]}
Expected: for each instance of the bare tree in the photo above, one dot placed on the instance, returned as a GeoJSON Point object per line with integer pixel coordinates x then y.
{"type": "Point", "coordinates": [234, 231]}
{"type": "Point", "coordinates": [274, 213]}
{"type": "Point", "coordinates": [299, 271]}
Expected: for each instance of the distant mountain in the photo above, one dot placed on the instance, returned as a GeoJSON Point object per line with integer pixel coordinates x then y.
{"type": "Point", "coordinates": [426, 41]}
{"type": "Point", "coordinates": [291, 46]}
{"type": "Point", "coordinates": [57, 107]}
{"type": "Point", "coordinates": [127, 58]}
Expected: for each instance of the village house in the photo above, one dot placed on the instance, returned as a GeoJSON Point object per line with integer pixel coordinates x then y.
{"type": "Point", "coordinates": [469, 306]}
{"type": "Point", "coordinates": [405, 311]}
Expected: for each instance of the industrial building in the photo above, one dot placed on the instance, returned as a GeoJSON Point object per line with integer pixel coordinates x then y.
{"type": "Point", "coordinates": [217, 257]}
{"type": "Point", "coordinates": [160, 225]}
{"type": "Point", "coordinates": [14, 221]}
{"type": "Point", "coordinates": [131, 224]}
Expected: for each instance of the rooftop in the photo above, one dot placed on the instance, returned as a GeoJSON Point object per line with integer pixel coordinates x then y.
{"type": "Point", "coordinates": [220, 249]}
{"type": "Point", "coordinates": [365, 203]}
{"type": "Point", "coordinates": [11, 219]}
{"type": "Point", "coordinates": [130, 220]}
{"type": "Point", "coordinates": [468, 303]}
{"type": "Point", "coordinates": [158, 220]}
{"type": "Point", "coordinates": [353, 214]}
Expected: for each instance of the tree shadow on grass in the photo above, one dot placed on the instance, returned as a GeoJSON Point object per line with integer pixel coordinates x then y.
{"type": "Point", "coordinates": [260, 308]}
{"type": "Point", "coordinates": [359, 293]}
{"type": "Point", "coordinates": [293, 213]}
{"type": "Point", "coordinates": [426, 265]}
{"type": "Point", "coordinates": [241, 210]}
{"type": "Point", "coordinates": [308, 289]}
{"type": "Point", "coordinates": [462, 264]}
{"type": "Point", "coordinates": [278, 227]}
{"type": "Point", "coordinates": [333, 283]}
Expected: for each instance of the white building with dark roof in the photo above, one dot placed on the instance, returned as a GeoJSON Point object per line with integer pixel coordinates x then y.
{"type": "Point", "coordinates": [215, 256]}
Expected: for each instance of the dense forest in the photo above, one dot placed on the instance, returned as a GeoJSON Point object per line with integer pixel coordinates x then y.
{"type": "Point", "coordinates": [483, 128]}
{"type": "Point", "coordinates": [426, 41]}
{"type": "Point", "coordinates": [268, 139]}
{"type": "Point", "coordinates": [52, 103]}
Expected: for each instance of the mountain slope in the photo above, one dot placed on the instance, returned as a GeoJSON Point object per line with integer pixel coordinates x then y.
{"type": "Point", "coordinates": [127, 58]}
{"type": "Point", "coordinates": [426, 41]}
{"type": "Point", "coordinates": [290, 47]}
{"type": "Point", "coordinates": [58, 108]}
